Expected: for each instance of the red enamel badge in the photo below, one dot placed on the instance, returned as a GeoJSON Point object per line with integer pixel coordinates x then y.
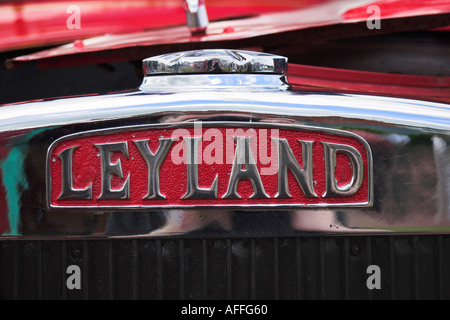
{"type": "Point", "coordinates": [214, 164]}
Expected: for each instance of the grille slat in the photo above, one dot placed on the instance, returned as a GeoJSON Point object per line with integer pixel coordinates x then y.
{"type": "Point", "coordinates": [252, 268]}
{"type": "Point", "coordinates": [86, 258]}
{"type": "Point", "coordinates": [322, 281]}
{"type": "Point", "coordinates": [110, 271]}
{"type": "Point", "coordinates": [276, 269]}
{"type": "Point", "coordinates": [416, 259]}
{"type": "Point", "coordinates": [39, 268]}
{"type": "Point", "coordinates": [298, 250]}
{"type": "Point", "coordinates": [63, 271]}
{"type": "Point", "coordinates": [346, 269]}
{"type": "Point", "coordinates": [413, 267]}
{"type": "Point", "coordinates": [393, 269]}
{"type": "Point", "coordinates": [182, 262]}
{"type": "Point", "coordinates": [135, 270]}
{"type": "Point", "coordinates": [229, 273]}
{"type": "Point", "coordinates": [369, 263]}
{"type": "Point", "coordinates": [205, 269]}
{"type": "Point", "coordinates": [159, 268]}
{"type": "Point", "coordinates": [441, 267]}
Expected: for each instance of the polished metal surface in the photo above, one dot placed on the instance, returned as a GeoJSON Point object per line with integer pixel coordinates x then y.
{"type": "Point", "coordinates": [212, 82]}
{"type": "Point", "coordinates": [196, 15]}
{"type": "Point", "coordinates": [409, 115]}
{"type": "Point", "coordinates": [154, 162]}
{"type": "Point", "coordinates": [109, 169]}
{"type": "Point", "coordinates": [68, 192]}
{"type": "Point", "coordinates": [215, 61]}
{"type": "Point", "coordinates": [409, 140]}
{"type": "Point", "coordinates": [331, 149]}
{"type": "Point", "coordinates": [193, 191]}
{"type": "Point", "coordinates": [207, 70]}
{"type": "Point", "coordinates": [286, 160]}
{"type": "Point", "coordinates": [243, 156]}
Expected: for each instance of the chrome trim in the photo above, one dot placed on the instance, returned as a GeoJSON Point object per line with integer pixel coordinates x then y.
{"type": "Point", "coordinates": [286, 160]}
{"type": "Point", "coordinates": [193, 190]}
{"type": "Point", "coordinates": [244, 156]}
{"type": "Point", "coordinates": [154, 162]}
{"type": "Point", "coordinates": [398, 114]}
{"type": "Point", "coordinates": [212, 82]}
{"type": "Point", "coordinates": [109, 168]}
{"type": "Point", "coordinates": [409, 139]}
{"type": "Point", "coordinates": [215, 61]}
{"type": "Point", "coordinates": [332, 189]}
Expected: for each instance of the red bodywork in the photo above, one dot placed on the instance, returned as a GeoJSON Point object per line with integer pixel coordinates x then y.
{"type": "Point", "coordinates": [325, 21]}
{"type": "Point", "coordinates": [38, 23]}
{"type": "Point", "coordinates": [303, 77]}
{"type": "Point", "coordinates": [139, 29]}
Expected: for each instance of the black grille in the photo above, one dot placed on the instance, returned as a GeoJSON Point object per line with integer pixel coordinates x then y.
{"type": "Point", "coordinates": [412, 267]}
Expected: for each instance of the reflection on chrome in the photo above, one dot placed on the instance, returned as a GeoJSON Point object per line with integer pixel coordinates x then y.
{"type": "Point", "coordinates": [215, 61]}
{"type": "Point", "coordinates": [411, 178]}
{"type": "Point", "coordinates": [409, 141]}
{"type": "Point", "coordinates": [184, 221]}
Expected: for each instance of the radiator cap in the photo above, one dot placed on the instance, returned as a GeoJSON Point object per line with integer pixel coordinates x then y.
{"type": "Point", "coordinates": [215, 61]}
{"type": "Point", "coordinates": [215, 68]}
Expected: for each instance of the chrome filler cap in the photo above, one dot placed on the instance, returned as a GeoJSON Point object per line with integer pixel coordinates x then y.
{"type": "Point", "coordinates": [214, 68]}
{"type": "Point", "coordinates": [215, 61]}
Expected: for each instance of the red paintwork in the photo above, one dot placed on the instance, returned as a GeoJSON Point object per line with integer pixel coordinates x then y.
{"type": "Point", "coordinates": [392, 8]}
{"type": "Point", "coordinates": [218, 31]}
{"type": "Point", "coordinates": [37, 23]}
{"type": "Point", "coordinates": [303, 77]}
{"type": "Point", "coordinates": [251, 32]}
{"type": "Point", "coordinates": [229, 34]}
{"type": "Point", "coordinates": [87, 167]}
{"type": "Point", "coordinates": [444, 29]}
